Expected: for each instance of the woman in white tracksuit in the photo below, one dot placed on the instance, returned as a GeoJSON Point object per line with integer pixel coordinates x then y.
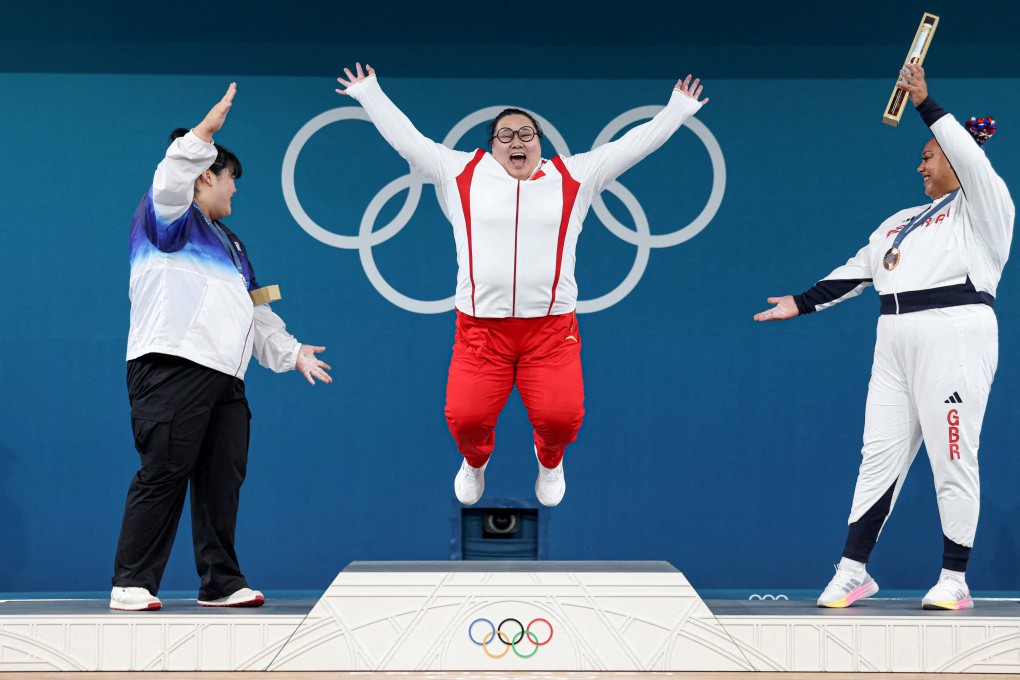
{"type": "Point", "coordinates": [936, 268]}
{"type": "Point", "coordinates": [516, 218]}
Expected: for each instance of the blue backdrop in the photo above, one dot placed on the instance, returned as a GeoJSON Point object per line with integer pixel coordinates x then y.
{"type": "Point", "coordinates": [727, 447]}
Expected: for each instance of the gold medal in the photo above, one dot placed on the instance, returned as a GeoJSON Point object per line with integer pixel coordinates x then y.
{"type": "Point", "coordinates": [891, 259]}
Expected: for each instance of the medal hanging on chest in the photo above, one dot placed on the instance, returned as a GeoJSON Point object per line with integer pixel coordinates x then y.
{"type": "Point", "coordinates": [891, 259]}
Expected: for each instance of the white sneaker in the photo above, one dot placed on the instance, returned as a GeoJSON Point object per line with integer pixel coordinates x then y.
{"type": "Point", "coordinates": [133, 600]}
{"type": "Point", "coordinates": [846, 587]}
{"type": "Point", "coordinates": [951, 592]}
{"type": "Point", "coordinates": [550, 485]}
{"type": "Point", "coordinates": [245, 597]}
{"type": "Point", "coordinates": [469, 483]}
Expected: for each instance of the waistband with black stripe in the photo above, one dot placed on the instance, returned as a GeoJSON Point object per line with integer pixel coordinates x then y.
{"type": "Point", "coordinates": [934, 298]}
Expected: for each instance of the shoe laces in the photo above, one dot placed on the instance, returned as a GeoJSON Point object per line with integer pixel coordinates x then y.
{"type": "Point", "coordinates": [551, 474]}
{"type": "Point", "coordinates": [849, 578]}
{"type": "Point", "coordinates": [958, 588]}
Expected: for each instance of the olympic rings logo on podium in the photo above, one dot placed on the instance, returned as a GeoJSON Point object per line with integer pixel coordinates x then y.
{"type": "Point", "coordinates": [368, 236]}
{"type": "Point", "coordinates": [510, 642]}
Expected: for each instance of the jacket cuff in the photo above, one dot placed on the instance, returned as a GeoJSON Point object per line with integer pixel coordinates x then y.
{"type": "Point", "coordinates": [930, 111]}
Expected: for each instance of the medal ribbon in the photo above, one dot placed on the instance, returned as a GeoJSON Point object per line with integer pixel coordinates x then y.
{"type": "Point", "coordinates": [227, 246]}
{"type": "Point", "coordinates": [917, 221]}
{"type": "Point", "coordinates": [217, 229]}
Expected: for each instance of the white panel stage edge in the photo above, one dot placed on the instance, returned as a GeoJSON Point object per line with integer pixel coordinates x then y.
{"type": "Point", "coordinates": [511, 616]}
{"type": "Point", "coordinates": [886, 636]}
{"type": "Point", "coordinates": [84, 635]}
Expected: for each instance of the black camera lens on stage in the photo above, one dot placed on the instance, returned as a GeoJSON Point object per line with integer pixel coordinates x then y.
{"type": "Point", "coordinates": [500, 523]}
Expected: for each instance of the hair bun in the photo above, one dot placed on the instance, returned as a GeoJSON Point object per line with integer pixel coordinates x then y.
{"type": "Point", "coordinates": [176, 134]}
{"type": "Point", "coordinates": [981, 129]}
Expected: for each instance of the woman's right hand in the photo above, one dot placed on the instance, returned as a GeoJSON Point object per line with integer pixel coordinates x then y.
{"type": "Point", "coordinates": [692, 90]}
{"type": "Point", "coordinates": [785, 308]}
{"type": "Point", "coordinates": [214, 120]}
{"type": "Point", "coordinates": [354, 78]}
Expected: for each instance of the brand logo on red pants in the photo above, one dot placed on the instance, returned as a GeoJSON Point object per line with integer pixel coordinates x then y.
{"type": "Point", "coordinates": [953, 418]}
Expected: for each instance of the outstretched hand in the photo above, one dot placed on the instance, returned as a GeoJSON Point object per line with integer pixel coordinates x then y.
{"type": "Point", "coordinates": [785, 308]}
{"type": "Point", "coordinates": [913, 82]}
{"type": "Point", "coordinates": [354, 78]}
{"type": "Point", "coordinates": [214, 120]}
{"type": "Point", "coordinates": [692, 90]}
{"type": "Point", "coordinates": [311, 367]}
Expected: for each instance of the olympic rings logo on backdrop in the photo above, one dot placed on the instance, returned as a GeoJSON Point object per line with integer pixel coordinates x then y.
{"type": "Point", "coordinates": [368, 236]}
{"type": "Point", "coordinates": [510, 642]}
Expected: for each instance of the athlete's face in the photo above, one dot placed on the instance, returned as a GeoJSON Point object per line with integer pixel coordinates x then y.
{"type": "Point", "coordinates": [518, 158]}
{"type": "Point", "coordinates": [939, 178]}
{"type": "Point", "coordinates": [214, 193]}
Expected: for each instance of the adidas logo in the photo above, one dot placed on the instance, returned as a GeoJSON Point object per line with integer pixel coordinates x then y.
{"type": "Point", "coordinates": [955, 398]}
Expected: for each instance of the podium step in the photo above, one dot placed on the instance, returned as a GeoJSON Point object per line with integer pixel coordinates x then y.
{"type": "Point", "coordinates": [511, 616]}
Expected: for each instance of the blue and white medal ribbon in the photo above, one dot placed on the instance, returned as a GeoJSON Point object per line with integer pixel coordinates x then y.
{"type": "Point", "coordinates": [891, 259]}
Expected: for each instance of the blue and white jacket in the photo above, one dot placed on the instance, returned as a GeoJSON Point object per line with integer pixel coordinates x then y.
{"type": "Point", "coordinates": [188, 297]}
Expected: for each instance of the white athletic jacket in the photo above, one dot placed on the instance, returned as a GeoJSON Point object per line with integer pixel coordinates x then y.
{"type": "Point", "coordinates": [957, 254]}
{"type": "Point", "coordinates": [189, 297]}
{"type": "Point", "coordinates": [516, 240]}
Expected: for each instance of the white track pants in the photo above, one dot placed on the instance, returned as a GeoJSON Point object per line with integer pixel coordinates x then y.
{"type": "Point", "coordinates": [930, 380]}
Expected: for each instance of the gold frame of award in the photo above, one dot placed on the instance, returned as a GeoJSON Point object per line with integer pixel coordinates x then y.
{"type": "Point", "coordinates": [261, 296]}
{"type": "Point", "coordinates": [922, 41]}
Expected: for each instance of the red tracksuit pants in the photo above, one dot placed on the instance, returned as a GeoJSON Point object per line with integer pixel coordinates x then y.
{"type": "Point", "coordinates": [542, 356]}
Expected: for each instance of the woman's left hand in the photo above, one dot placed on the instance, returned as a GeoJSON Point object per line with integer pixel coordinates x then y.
{"type": "Point", "coordinates": [692, 90]}
{"type": "Point", "coordinates": [310, 367]}
{"type": "Point", "coordinates": [915, 86]}
{"type": "Point", "coordinates": [214, 120]}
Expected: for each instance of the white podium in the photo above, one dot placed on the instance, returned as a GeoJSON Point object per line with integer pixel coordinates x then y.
{"type": "Point", "coordinates": [498, 616]}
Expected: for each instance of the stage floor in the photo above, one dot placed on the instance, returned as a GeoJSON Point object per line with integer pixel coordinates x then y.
{"type": "Point", "coordinates": [882, 607]}
{"type": "Point", "coordinates": [1004, 609]}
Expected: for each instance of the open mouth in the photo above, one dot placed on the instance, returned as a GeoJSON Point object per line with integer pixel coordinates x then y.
{"type": "Point", "coordinates": [518, 160]}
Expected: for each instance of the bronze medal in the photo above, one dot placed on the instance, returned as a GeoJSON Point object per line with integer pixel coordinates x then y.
{"type": "Point", "coordinates": [891, 259]}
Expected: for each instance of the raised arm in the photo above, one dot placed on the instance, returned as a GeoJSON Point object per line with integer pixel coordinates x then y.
{"type": "Point", "coordinates": [607, 162]}
{"type": "Point", "coordinates": [173, 185]}
{"type": "Point", "coordinates": [988, 199]}
{"type": "Point", "coordinates": [431, 159]}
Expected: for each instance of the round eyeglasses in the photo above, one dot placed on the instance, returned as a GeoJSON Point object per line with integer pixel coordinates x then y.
{"type": "Point", "coordinates": [525, 134]}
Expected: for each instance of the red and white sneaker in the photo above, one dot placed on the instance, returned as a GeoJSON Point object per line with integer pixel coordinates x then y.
{"type": "Point", "coordinates": [846, 587]}
{"type": "Point", "coordinates": [245, 597]}
{"type": "Point", "coordinates": [133, 600]}
{"type": "Point", "coordinates": [951, 592]}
